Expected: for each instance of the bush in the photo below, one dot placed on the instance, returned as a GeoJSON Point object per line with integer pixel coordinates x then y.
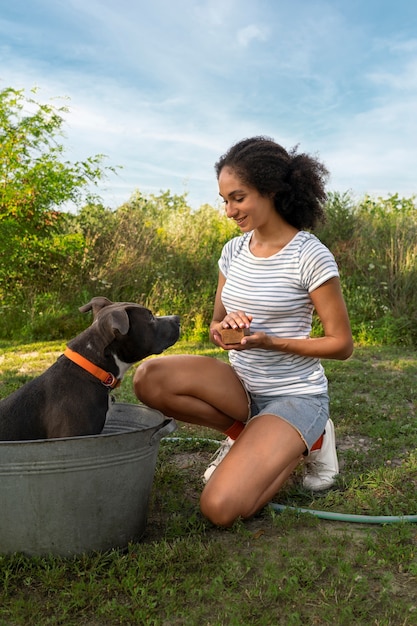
{"type": "Point", "coordinates": [157, 251]}
{"type": "Point", "coordinates": [375, 244]}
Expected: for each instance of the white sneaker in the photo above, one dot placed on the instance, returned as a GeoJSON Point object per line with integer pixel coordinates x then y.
{"type": "Point", "coordinates": [218, 457]}
{"type": "Point", "coordinates": [321, 466]}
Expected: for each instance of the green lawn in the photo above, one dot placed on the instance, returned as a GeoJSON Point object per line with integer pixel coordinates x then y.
{"type": "Point", "coordinates": [278, 568]}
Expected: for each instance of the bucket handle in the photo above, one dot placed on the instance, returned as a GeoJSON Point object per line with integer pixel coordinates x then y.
{"type": "Point", "coordinates": [167, 426]}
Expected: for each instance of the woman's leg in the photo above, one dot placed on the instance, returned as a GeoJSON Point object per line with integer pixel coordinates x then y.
{"type": "Point", "coordinates": [194, 389]}
{"type": "Point", "coordinates": [258, 464]}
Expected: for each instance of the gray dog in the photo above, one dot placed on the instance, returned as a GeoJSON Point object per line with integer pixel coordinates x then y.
{"type": "Point", "coordinates": [71, 398]}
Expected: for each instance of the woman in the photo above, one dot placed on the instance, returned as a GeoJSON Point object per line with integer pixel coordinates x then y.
{"type": "Point", "coordinates": [271, 398]}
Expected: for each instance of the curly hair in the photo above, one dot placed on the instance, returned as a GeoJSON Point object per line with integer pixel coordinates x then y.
{"type": "Point", "coordinates": [295, 181]}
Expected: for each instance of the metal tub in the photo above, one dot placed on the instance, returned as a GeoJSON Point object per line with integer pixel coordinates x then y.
{"type": "Point", "coordinates": [81, 494]}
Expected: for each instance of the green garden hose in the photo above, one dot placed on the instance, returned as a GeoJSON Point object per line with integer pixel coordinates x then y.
{"type": "Point", "coordinates": [347, 517]}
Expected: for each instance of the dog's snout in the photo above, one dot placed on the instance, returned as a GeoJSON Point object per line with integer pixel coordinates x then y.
{"type": "Point", "coordinates": [177, 320]}
{"type": "Point", "coordinates": [171, 318]}
{"type": "Point", "coordinates": [168, 329]}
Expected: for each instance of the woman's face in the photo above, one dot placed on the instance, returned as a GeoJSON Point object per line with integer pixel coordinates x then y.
{"type": "Point", "coordinates": [244, 204]}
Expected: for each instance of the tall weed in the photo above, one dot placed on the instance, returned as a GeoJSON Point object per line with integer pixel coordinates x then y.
{"type": "Point", "coordinates": [157, 251]}
{"type": "Point", "coordinates": [375, 244]}
{"type": "Point", "coordinates": [161, 254]}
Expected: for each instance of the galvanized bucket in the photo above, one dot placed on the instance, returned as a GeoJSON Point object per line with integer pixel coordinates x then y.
{"type": "Point", "coordinates": [81, 494]}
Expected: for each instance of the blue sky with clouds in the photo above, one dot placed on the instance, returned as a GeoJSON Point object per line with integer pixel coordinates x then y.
{"type": "Point", "coordinates": [163, 88]}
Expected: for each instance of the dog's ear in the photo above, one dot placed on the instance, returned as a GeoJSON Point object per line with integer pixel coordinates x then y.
{"type": "Point", "coordinates": [96, 304]}
{"type": "Point", "coordinates": [114, 321]}
{"type": "Point", "coordinates": [120, 321]}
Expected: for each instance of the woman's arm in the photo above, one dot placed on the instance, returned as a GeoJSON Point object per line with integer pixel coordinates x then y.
{"type": "Point", "coordinates": [219, 312]}
{"type": "Point", "coordinates": [330, 306]}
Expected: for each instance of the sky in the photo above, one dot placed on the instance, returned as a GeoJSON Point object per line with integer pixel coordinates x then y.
{"type": "Point", "coordinates": [164, 87]}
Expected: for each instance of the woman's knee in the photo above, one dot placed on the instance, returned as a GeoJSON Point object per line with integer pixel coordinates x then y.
{"type": "Point", "coordinates": [145, 381]}
{"type": "Point", "coordinates": [218, 508]}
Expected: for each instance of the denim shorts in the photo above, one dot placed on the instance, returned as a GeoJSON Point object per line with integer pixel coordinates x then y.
{"type": "Point", "coordinates": [308, 414]}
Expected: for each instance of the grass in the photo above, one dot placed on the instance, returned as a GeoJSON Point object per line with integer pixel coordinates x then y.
{"type": "Point", "coordinates": [286, 568]}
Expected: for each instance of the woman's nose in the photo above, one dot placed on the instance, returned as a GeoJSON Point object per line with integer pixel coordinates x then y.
{"type": "Point", "coordinates": [231, 210]}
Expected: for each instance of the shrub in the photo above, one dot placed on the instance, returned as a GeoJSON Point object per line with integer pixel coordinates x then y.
{"type": "Point", "coordinates": [375, 244]}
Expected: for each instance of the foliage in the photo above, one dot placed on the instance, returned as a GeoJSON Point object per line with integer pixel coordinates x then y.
{"type": "Point", "coordinates": [35, 181]}
{"type": "Point", "coordinates": [157, 251]}
{"type": "Point", "coordinates": [375, 244]}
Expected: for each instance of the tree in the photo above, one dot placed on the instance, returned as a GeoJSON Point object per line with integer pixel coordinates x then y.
{"type": "Point", "coordinates": [35, 182]}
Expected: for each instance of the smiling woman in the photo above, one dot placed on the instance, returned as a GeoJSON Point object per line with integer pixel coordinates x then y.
{"type": "Point", "coordinates": [271, 399]}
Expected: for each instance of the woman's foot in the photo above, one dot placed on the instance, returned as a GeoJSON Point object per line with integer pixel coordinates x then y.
{"type": "Point", "coordinates": [218, 457]}
{"type": "Point", "coordinates": [321, 466]}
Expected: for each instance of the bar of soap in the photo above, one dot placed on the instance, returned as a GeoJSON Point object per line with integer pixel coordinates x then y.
{"type": "Point", "coordinates": [234, 335]}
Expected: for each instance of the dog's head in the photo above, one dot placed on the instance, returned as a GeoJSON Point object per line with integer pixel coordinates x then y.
{"type": "Point", "coordinates": [131, 331]}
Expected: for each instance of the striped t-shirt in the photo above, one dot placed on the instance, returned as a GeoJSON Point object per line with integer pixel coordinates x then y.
{"type": "Point", "coordinates": [275, 290]}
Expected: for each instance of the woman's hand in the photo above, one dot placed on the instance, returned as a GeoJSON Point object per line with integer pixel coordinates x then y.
{"type": "Point", "coordinates": [235, 320]}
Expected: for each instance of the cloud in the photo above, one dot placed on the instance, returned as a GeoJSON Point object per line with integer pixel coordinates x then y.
{"type": "Point", "coordinates": [163, 88]}
{"type": "Point", "coordinates": [375, 152]}
{"type": "Point", "coordinates": [250, 33]}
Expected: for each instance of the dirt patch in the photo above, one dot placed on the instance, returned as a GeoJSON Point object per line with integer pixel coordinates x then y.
{"type": "Point", "coordinates": [196, 461]}
{"type": "Point", "coordinates": [354, 442]}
